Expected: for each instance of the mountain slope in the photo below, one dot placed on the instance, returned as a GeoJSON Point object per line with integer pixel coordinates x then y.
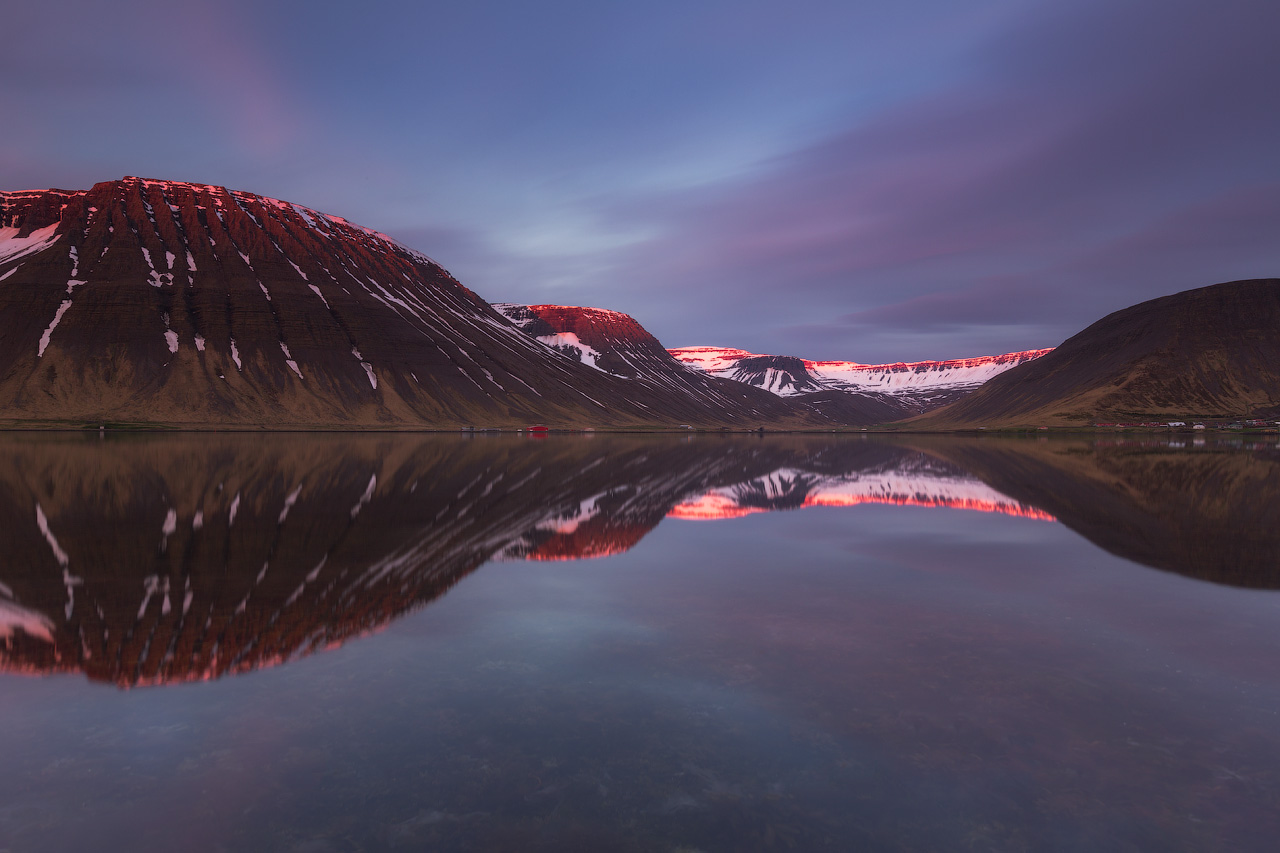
{"type": "Point", "coordinates": [914, 386]}
{"type": "Point", "coordinates": [185, 304]}
{"type": "Point", "coordinates": [1209, 352]}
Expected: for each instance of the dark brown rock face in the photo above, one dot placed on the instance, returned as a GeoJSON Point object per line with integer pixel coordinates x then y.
{"type": "Point", "coordinates": [185, 304]}
{"type": "Point", "coordinates": [1209, 352]}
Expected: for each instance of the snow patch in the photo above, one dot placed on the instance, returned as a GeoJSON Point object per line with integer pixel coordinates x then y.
{"type": "Point", "coordinates": [288, 359]}
{"type": "Point", "coordinates": [567, 344]}
{"type": "Point", "coordinates": [48, 333]}
{"type": "Point", "coordinates": [12, 246]}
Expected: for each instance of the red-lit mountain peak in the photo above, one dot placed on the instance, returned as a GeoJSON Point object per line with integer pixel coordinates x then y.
{"type": "Point", "coordinates": [607, 340]}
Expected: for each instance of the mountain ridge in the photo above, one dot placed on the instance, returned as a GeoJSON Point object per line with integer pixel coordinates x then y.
{"type": "Point", "coordinates": [166, 302]}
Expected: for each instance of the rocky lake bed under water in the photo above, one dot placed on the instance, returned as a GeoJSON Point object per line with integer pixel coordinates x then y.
{"type": "Point", "coordinates": [385, 642]}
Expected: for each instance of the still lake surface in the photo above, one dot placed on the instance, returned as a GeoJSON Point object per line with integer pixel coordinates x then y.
{"type": "Point", "coordinates": [392, 642]}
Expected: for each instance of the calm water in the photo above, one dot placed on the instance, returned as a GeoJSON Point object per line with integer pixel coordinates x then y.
{"type": "Point", "coordinates": [706, 643]}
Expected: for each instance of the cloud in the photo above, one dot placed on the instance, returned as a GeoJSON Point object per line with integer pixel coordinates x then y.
{"type": "Point", "coordinates": [1077, 153]}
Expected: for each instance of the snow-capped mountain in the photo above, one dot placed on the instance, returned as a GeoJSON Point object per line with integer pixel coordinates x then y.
{"type": "Point", "coordinates": [921, 385]}
{"type": "Point", "coordinates": [613, 342]}
{"type": "Point", "coordinates": [185, 304]}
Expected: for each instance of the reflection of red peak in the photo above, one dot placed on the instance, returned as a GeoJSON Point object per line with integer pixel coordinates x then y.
{"type": "Point", "coordinates": [712, 506]}
{"type": "Point", "coordinates": [595, 537]}
{"type": "Point", "coordinates": [1001, 507]}
{"type": "Point", "coordinates": [718, 505]}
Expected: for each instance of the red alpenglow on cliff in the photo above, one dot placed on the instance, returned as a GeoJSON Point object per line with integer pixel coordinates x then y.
{"type": "Point", "coordinates": [922, 384]}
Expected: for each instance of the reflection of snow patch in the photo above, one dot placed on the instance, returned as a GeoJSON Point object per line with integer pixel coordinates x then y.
{"type": "Point", "coordinates": [288, 504]}
{"type": "Point", "coordinates": [366, 497]}
{"type": "Point", "coordinates": [43, 523]}
{"type": "Point", "coordinates": [15, 617]}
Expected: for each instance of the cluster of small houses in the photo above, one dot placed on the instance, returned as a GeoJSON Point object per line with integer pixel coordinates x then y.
{"type": "Point", "coordinates": [1249, 423]}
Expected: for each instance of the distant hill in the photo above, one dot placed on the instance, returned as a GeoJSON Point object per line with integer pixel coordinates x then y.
{"type": "Point", "coordinates": [1213, 352]}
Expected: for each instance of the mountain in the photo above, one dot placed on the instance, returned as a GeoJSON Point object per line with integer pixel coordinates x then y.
{"type": "Point", "coordinates": [142, 301]}
{"type": "Point", "coordinates": [1209, 352]}
{"type": "Point", "coordinates": [911, 386]}
{"type": "Point", "coordinates": [616, 343]}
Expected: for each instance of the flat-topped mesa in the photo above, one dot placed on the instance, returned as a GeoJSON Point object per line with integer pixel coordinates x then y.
{"type": "Point", "coordinates": [190, 304]}
{"type": "Point", "coordinates": [921, 385]}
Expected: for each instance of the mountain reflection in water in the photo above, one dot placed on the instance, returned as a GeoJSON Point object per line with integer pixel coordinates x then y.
{"type": "Point", "coordinates": [150, 560]}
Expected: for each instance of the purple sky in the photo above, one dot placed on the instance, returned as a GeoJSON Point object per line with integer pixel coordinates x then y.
{"type": "Point", "coordinates": [866, 181]}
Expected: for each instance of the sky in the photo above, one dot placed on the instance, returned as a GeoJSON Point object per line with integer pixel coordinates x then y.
{"type": "Point", "coordinates": [834, 180]}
